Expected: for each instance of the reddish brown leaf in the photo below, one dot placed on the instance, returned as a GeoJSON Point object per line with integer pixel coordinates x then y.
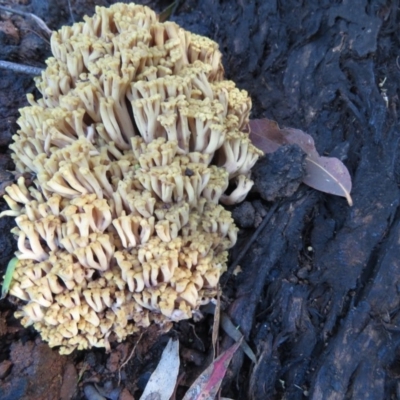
{"type": "Point", "coordinates": [206, 386]}
{"type": "Point", "coordinates": [326, 174]}
{"type": "Point", "coordinates": [266, 135]}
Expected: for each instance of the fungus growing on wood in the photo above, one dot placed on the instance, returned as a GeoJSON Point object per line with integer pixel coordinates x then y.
{"type": "Point", "coordinates": [133, 145]}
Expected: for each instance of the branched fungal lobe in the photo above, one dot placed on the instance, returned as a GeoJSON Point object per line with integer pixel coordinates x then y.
{"type": "Point", "coordinates": [133, 144]}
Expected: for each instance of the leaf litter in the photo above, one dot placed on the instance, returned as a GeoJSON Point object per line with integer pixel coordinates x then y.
{"type": "Point", "coordinates": [206, 386]}
{"type": "Point", "coordinates": [326, 174]}
{"type": "Point", "coordinates": [163, 380]}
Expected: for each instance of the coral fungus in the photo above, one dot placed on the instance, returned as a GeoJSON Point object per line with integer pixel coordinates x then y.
{"type": "Point", "coordinates": [133, 145]}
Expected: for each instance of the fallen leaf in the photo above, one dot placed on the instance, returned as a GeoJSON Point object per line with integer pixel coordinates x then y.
{"type": "Point", "coordinates": [266, 135]}
{"type": "Point", "coordinates": [215, 330]}
{"type": "Point", "coordinates": [230, 329]}
{"type": "Point", "coordinates": [8, 277]}
{"type": "Point", "coordinates": [167, 12]}
{"type": "Point", "coordinates": [326, 174]}
{"type": "Point", "coordinates": [234, 333]}
{"type": "Point", "coordinates": [329, 175]}
{"type": "Point", "coordinates": [206, 386]}
{"type": "Point", "coordinates": [162, 381]}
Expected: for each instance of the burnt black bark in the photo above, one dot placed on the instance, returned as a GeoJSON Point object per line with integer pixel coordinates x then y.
{"type": "Point", "coordinates": [323, 321]}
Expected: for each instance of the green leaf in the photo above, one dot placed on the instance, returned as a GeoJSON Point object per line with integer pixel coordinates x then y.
{"type": "Point", "coordinates": [8, 277]}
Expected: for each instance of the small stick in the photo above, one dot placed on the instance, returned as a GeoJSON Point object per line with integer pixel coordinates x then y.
{"type": "Point", "coordinates": [128, 359]}
{"type": "Point", "coordinates": [70, 11]}
{"type": "Point", "coordinates": [246, 247]}
{"type": "Point", "coordinates": [24, 69]}
{"type": "Point", "coordinates": [38, 20]}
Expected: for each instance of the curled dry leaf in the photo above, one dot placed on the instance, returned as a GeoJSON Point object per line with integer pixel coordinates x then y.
{"type": "Point", "coordinates": [327, 174]}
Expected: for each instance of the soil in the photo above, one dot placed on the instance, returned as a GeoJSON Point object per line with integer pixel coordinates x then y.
{"type": "Point", "coordinates": [318, 295]}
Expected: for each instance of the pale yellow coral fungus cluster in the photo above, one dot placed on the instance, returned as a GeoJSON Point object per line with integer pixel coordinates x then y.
{"type": "Point", "coordinates": [133, 146]}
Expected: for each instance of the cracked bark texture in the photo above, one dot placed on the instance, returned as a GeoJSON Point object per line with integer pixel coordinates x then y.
{"type": "Point", "coordinates": [324, 323]}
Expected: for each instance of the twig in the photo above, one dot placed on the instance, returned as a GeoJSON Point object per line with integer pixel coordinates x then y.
{"type": "Point", "coordinates": [70, 11]}
{"type": "Point", "coordinates": [250, 242]}
{"type": "Point", "coordinates": [42, 25]}
{"type": "Point", "coordinates": [40, 36]}
{"type": "Point", "coordinates": [128, 359]}
{"type": "Point", "coordinates": [24, 69]}
{"type": "Point", "coordinates": [12, 11]}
